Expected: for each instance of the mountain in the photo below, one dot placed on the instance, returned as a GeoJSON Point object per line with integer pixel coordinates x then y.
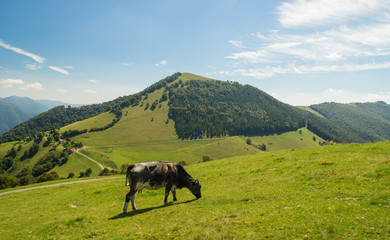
{"type": "Point", "coordinates": [199, 107]}
{"type": "Point", "coordinates": [26, 104]}
{"type": "Point", "coordinates": [11, 115]}
{"type": "Point", "coordinates": [370, 121]}
{"type": "Point", "coordinates": [15, 110]}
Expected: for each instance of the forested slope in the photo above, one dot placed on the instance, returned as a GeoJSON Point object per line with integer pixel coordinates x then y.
{"type": "Point", "coordinates": [370, 121]}
{"type": "Point", "coordinates": [208, 108]}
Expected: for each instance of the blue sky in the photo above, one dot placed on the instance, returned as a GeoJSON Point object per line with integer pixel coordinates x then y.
{"type": "Point", "coordinates": [301, 52]}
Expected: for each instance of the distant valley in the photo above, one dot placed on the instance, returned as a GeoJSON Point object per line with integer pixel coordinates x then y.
{"type": "Point", "coordinates": [15, 110]}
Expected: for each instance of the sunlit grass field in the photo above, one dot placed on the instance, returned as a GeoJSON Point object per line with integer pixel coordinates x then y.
{"type": "Point", "coordinates": [328, 192]}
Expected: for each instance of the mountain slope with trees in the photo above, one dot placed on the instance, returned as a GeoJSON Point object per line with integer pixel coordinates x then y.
{"type": "Point", "coordinates": [200, 107]}
{"type": "Point", "coordinates": [370, 121]}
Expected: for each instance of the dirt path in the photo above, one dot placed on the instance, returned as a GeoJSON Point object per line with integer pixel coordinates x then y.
{"type": "Point", "coordinates": [56, 184]}
{"type": "Point", "coordinates": [100, 165]}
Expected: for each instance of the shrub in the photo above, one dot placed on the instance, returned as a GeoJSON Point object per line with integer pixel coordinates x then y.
{"type": "Point", "coordinates": [183, 163]}
{"type": "Point", "coordinates": [8, 181]}
{"type": "Point", "coordinates": [206, 159]}
{"type": "Point", "coordinates": [47, 177]}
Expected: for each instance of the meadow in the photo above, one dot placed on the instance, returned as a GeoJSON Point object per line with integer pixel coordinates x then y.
{"type": "Point", "coordinates": [325, 192]}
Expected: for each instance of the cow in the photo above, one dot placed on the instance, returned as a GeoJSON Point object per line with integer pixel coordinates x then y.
{"type": "Point", "coordinates": [155, 175]}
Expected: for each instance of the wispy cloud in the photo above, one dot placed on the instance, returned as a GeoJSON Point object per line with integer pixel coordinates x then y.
{"type": "Point", "coordinates": [343, 43]}
{"type": "Point", "coordinates": [270, 71]}
{"type": "Point", "coordinates": [236, 43]}
{"type": "Point", "coordinates": [93, 81]}
{"type": "Point", "coordinates": [35, 57]}
{"type": "Point", "coordinates": [34, 86]}
{"type": "Point", "coordinates": [321, 12]}
{"type": "Point", "coordinates": [8, 83]}
{"type": "Point", "coordinates": [34, 66]}
{"type": "Point", "coordinates": [89, 91]}
{"type": "Point", "coordinates": [59, 69]}
{"type": "Point", "coordinates": [161, 63]}
{"type": "Point", "coordinates": [127, 64]}
{"type": "Point", "coordinates": [62, 90]}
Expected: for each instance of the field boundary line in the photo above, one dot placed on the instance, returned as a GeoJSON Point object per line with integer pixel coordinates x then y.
{"type": "Point", "coordinates": [55, 185]}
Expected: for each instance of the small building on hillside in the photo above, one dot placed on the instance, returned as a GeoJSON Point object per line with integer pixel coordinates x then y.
{"type": "Point", "coordinates": [72, 150]}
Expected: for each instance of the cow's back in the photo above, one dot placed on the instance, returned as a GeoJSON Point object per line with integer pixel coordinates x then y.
{"type": "Point", "coordinates": [152, 175]}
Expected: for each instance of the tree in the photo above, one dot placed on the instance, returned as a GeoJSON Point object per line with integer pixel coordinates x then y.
{"type": "Point", "coordinates": [71, 175]}
{"type": "Point", "coordinates": [88, 172]}
{"type": "Point", "coordinates": [47, 177]}
{"type": "Point", "coordinates": [124, 168]}
{"type": "Point", "coordinates": [8, 181]}
{"type": "Point", "coordinates": [249, 141]}
{"type": "Point", "coordinates": [263, 147]}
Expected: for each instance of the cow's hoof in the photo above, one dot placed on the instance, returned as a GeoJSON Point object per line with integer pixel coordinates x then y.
{"type": "Point", "coordinates": [124, 212]}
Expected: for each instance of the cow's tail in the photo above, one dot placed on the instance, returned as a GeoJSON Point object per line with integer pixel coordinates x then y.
{"type": "Point", "coordinates": [128, 179]}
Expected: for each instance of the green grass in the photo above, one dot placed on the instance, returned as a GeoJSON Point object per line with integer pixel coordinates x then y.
{"type": "Point", "coordinates": [189, 151]}
{"type": "Point", "coordinates": [137, 125]}
{"type": "Point", "coordinates": [329, 192]}
{"type": "Point", "coordinates": [5, 147]}
{"type": "Point", "coordinates": [100, 120]}
{"type": "Point", "coordinates": [76, 163]}
{"type": "Point", "coordinates": [301, 138]}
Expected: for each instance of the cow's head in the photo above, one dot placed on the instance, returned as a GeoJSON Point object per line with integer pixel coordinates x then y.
{"type": "Point", "coordinates": [194, 186]}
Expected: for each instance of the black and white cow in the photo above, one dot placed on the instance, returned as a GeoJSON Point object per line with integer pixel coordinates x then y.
{"type": "Point", "coordinates": [155, 175]}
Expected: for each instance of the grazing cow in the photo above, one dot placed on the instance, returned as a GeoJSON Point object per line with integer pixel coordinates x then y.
{"type": "Point", "coordinates": [155, 175]}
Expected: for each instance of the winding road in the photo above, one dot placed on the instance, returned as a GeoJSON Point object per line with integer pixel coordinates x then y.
{"type": "Point", "coordinates": [77, 151]}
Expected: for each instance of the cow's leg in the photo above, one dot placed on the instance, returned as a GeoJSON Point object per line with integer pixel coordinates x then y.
{"type": "Point", "coordinates": [173, 190]}
{"type": "Point", "coordinates": [167, 190]}
{"type": "Point", "coordinates": [129, 196]}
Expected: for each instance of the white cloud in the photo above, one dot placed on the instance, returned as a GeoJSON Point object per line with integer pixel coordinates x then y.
{"type": "Point", "coordinates": [89, 91]}
{"type": "Point", "coordinates": [322, 12]}
{"type": "Point", "coordinates": [161, 63]}
{"type": "Point", "coordinates": [374, 97]}
{"type": "Point", "coordinates": [36, 58]}
{"type": "Point", "coordinates": [8, 83]}
{"type": "Point", "coordinates": [34, 66]}
{"type": "Point", "coordinates": [251, 57]}
{"type": "Point", "coordinates": [68, 67]}
{"type": "Point", "coordinates": [127, 64]}
{"type": "Point", "coordinates": [236, 43]}
{"type": "Point", "coordinates": [270, 71]}
{"type": "Point", "coordinates": [59, 69]}
{"type": "Point", "coordinates": [61, 90]}
{"type": "Point", "coordinates": [34, 86]}
{"type": "Point", "coordinates": [93, 81]}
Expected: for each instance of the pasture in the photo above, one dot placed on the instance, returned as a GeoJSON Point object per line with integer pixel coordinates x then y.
{"type": "Point", "coordinates": [328, 192]}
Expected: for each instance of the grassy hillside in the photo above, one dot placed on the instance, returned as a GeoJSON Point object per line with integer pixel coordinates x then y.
{"type": "Point", "coordinates": [329, 192]}
{"type": "Point", "coordinates": [291, 140]}
{"type": "Point", "coordinates": [98, 121]}
{"type": "Point", "coordinates": [189, 151]}
{"type": "Point", "coordinates": [76, 163]}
